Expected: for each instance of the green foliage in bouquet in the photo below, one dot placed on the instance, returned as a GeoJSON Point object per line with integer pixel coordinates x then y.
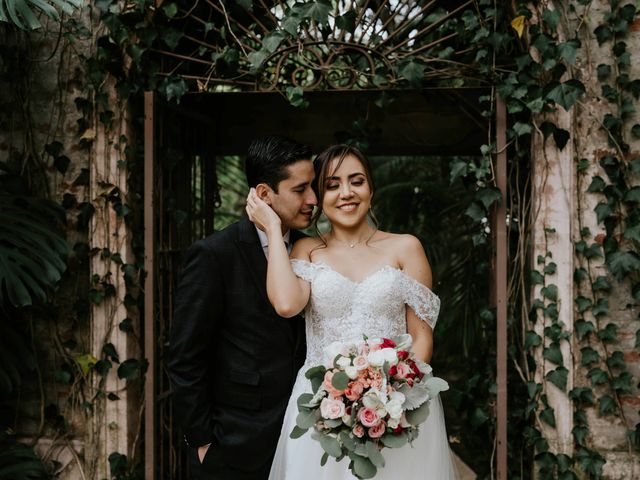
{"type": "Point", "coordinates": [336, 436]}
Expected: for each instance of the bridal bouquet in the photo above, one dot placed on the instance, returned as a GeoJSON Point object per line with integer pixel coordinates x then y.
{"type": "Point", "coordinates": [371, 394]}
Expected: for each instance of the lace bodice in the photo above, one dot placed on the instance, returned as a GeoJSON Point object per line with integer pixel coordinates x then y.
{"type": "Point", "coordinates": [340, 309]}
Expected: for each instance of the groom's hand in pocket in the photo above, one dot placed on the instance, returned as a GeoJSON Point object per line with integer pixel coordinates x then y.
{"type": "Point", "coordinates": [202, 451]}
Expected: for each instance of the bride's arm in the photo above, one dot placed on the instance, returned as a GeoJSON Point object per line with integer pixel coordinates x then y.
{"type": "Point", "coordinates": [415, 264]}
{"type": "Point", "coordinates": [287, 293]}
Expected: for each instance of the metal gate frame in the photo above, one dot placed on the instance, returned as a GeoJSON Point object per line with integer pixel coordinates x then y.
{"type": "Point", "coordinates": [499, 286]}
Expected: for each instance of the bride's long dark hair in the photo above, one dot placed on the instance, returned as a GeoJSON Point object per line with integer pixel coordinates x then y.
{"type": "Point", "coordinates": [323, 170]}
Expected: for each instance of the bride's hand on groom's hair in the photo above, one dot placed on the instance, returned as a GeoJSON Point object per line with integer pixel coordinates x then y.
{"type": "Point", "coordinates": [261, 213]}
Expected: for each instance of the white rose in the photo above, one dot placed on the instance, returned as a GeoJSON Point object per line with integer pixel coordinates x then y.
{"type": "Point", "coordinates": [332, 351]}
{"type": "Point", "coordinates": [393, 423]}
{"type": "Point", "coordinates": [343, 362]}
{"type": "Point", "coordinates": [331, 409]}
{"type": "Point", "coordinates": [394, 408]}
{"type": "Point", "coordinates": [378, 357]}
{"type": "Point", "coordinates": [351, 371]}
{"type": "Point", "coordinates": [399, 396]}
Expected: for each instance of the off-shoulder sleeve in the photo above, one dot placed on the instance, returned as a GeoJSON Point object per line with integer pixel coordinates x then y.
{"type": "Point", "coordinates": [421, 299]}
{"type": "Point", "coordinates": [303, 269]}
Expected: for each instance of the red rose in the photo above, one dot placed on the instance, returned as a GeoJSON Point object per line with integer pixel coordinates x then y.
{"type": "Point", "coordinates": [398, 430]}
{"type": "Point", "coordinates": [403, 355]}
{"type": "Point", "coordinates": [393, 370]}
{"type": "Point", "coordinates": [386, 343]}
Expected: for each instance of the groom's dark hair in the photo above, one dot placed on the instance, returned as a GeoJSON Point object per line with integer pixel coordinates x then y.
{"type": "Point", "coordinates": [268, 158]}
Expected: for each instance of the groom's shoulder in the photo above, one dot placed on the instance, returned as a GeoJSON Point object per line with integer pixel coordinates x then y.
{"type": "Point", "coordinates": [220, 240]}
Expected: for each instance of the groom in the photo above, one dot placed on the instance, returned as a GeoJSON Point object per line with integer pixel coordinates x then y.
{"type": "Point", "coordinates": [232, 359]}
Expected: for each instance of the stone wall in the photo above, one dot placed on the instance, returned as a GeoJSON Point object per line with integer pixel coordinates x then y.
{"type": "Point", "coordinates": [563, 204]}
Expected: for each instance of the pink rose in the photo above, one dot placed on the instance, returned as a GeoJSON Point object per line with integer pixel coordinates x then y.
{"type": "Point", "coordinates": [377, 430]}
{"type": "Point", "coordinates": [329, 386]}
{"type": "Point", "coordinates": [358, 430]}
{"type": "Point", "coordinates": [360, 362]}
{"type": "Point", "coordinates": [354, 391]}
{"type": "Point", "coordinates": [363, 349]}
{"type": "Point", "coordinates": [368, 417]}
{"type": "Point", "coordinates": [331, 408]}
{"type": "Point", "coordinates": [403, 370]}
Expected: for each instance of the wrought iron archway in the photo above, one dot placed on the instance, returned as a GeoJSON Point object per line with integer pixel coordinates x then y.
{"type": "Point", "coordinates": [260, 46]}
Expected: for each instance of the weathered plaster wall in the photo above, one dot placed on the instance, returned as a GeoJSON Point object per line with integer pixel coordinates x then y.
{"type": "Point", "coordinates": [561, 202]}
{"type": "Point", "coordinates": [52, 71]}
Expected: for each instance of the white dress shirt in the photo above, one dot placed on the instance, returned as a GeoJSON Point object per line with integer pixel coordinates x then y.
{"type": "Point", "coordinates": [264, 241]}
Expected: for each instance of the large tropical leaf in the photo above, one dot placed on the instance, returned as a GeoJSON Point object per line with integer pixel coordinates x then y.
{"type": "Point", "coordinates": [24, 13]}
{"type": "Point", "coordinates": [19, 462]}
{"type": "Point", "coordinates": [32, 251]}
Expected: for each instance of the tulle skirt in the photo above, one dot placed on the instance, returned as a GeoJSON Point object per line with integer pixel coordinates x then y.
{"type": "Point", "coordinates": [428, 458]}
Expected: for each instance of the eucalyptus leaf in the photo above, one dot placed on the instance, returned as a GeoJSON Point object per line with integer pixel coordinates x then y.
{"type": "Point", "coordinates": [331, 445]}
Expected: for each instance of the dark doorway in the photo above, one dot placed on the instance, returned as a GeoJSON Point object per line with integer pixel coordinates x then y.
{"type": "Point", "coordinates": [411, 137]}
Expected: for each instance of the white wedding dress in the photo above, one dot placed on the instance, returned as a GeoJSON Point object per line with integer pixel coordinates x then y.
{"type": "Point", "coordinates": [341, 310]}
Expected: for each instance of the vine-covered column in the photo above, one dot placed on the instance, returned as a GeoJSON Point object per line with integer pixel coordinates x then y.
{"type": "Point", "coordinates": [116, 406]}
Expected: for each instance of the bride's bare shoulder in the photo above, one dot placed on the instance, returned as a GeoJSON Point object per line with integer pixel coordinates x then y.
{"type": "Point", "coordinates": [303, 247]}
{"type": "Point", "coordinates": [405, 248]}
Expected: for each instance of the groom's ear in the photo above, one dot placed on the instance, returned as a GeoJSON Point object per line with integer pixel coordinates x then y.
{"type": "Point", "coordinates": [264, 192]}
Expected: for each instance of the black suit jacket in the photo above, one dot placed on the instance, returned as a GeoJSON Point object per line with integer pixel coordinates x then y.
{"type": "Point", "coordinates": [232, 359]}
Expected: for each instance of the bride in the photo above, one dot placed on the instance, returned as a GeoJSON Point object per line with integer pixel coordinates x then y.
{"type": "Point", "coordinates": [352, 281]}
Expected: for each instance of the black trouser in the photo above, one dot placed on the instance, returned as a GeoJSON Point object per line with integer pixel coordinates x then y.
{"type": "Point", "coordinates": [214, 468]}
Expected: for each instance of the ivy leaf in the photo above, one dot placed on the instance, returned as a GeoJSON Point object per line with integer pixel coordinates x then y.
{"type": "Point", "coordinates": [518, 24]}
{"type": "Point", "coordinates": [246, 4]}
{"type": "Point", "coordinates": [536, 277]}
{"type": "Point", "coordinates": [131, 369]}
{"type": "Point", "coordinates": [622, 383]}
{"type": "Point", "coordinates": [522, 128]}
{"type": "Point", "coordinates": [589, 356]}
{"type": "Point", "coordinates": [601, 307]}
{"type": "Point", "coordinates": [609, 333]}
{"type": "Point", "coordinates": [603, 34]}
{"type": "Point", "coordinates": [295, 95]}
{"type": "Point", "coordinates": [558, 377]}
{"type": "Point", "coordinates": [475, 211]}
{"type": "Point", "coordinates": [272, 41]}
{"type": "Point", "coordinates": [532, 339]}
{"type": "Point", "coordinates": [583, 395]}
{"type": "Point", "coordinates": [598, 376]}
{"type": "Point", "coordinates": [603, 211]}
{"type": "Point", "coordinates": [318, 10]}
{"type": "Point", "coordinates": [548, 417]}
{"type": "Point", "coordinates": [632, 195]}
{"type": "Point", "coordinates": [583, 328]}
{"type": "Point", "coordinates": [580, 434]}
{"type": "Point", "coordinates": [413, 71]}
{"type": "Point", "coordinates": [616, 360]}
{"type": "Point", "coordinates": [550, 292]}
{"type": "Point", "coordinates": [170, 9]}
{"type": "Point", "coordinates": [602, 283]}
{"type": "Point", "coordinates": [550, 269]}
{"type": "Point", "coordinates": [553, 354]}
{"type": "Point", "coordinates": [597, 185]}
{"type": "Point", "coordinates": [567, 93]}
{"type": "Point", "coordinates": [622, 263]}
{"type": "Point", "coordinates": [489, 196]}
{"type": "Point", "coordinates": [257, 58]}
{"type": "Point", "coordinates": [561, 137]}
{"type": "Point", "coordinates": [606, 405]}
{"type": "Point", "coordinates": [569, 50]}
{"type": "Point", "coordinates": [347, 21]}
{"type": "Point", "coordinates": [85, 362]}
{"type": "Point", "coordinates": [604, 71]}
